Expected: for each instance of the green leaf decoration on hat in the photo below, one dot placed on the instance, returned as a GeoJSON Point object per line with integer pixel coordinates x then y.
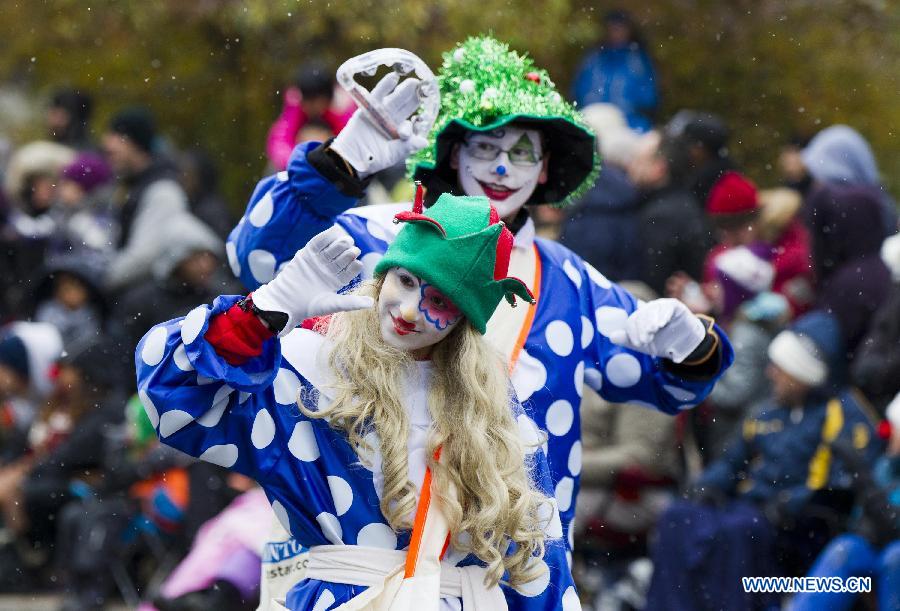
{"type": "Point", "coordinates": [484, 86]}
{"type": "Point", "coordinates": [462, 248]}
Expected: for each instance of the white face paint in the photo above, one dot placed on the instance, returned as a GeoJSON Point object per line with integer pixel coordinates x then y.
{"type": "Point", "coordinates": [506, 184]}
{"type": "Point", "coordinates": [413, 314]}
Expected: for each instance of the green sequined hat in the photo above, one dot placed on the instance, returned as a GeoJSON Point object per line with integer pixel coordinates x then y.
{"type": "Point", "coordinates": [484, 86]}
{"type": "Point", "coordinates": [462, 248]}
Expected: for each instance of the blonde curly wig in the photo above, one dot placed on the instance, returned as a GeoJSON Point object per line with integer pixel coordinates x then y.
{"type": "Point", "coordinates": [483, 458]}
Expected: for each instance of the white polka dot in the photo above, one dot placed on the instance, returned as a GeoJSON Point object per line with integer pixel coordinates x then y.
{"type": "Point", "coordinates": [181, 359]}
{"type": "Point", "coordinates": [286, 386]}
{"type": "Point", "coordinates": [331, 527]}
{"type": "Point", "coordinates": [579, 378]}
{"type": "Point", "coordinates": [570, 536]}
{"type": "Point", "coordinates": [575, 459]}
{"type": "Point", "coordinates": [193, 323]}
{"type": "Point", "coordinates": [222, 455]}
{"type": "Point", "coordinates": [325, 600]}
{"type": "Point", "coordinates": [529, 376]}
{"type": "Point", "coordinates": [220, 401]}
{"type": "Point", "coordinates": [564, 490]}
{"type": "Point", "coordinates": [559, 417]}
{"type": "Point", "coordinates": [302, 443]}
{"type": "Point", "coordinates": [549, 519]}
{"type": "Point", "coordinates": [282, 515]}
{"type": "Point", "coordinates": [376, 231]}
{"type": "Point", "coordinates": [536, 586]}
{"type": "Point", "coordinates": [369, 261]}
{"type": "Point", "coordinates": [233, 263]}
{"type": "Point", "coordinates": [378, 535]}
{"type": "Point", "coordinates": [573, 273]}
{"type": "Point", "coordinates": [570, 600]}
{"type": "Point", "coordinates": [243, 396]}
{"type": "Point", "coordinates": [173, 421]}
{"type": "Point", "coordinates": [587, 332]}
{"type": "Point", "coordinates": [529, 433]}
{"type": "Point", "coordinates": [341, 494]}
{"type": "Point", "coordinates": [262, 211]}
{"type": "Point", "coordinates": [610, 319]}
{"type": "Point", "coordinates": [623, 370]}
{"type": "Point", "coordinates": [202, 380]}
{"type": "Point", "coordinates": [152, 413]}
{"type": "Point", "coordinates": [679, 393]}
{"type": "Point", "coordinates": [282, 176]}
{"type": "Point", "coordinates": [559, 337]}
{"type": "Point", "coordinates": [262, 265]}
{"type": "Point", "coordinates": [569, 559]}
{"type": "Point", "coordinates": [593, 378]}
{"type": "Point", "coordinates": [263, 431]}
{"type": "Point", "coordinates": [598, 278]}
{"type": "Point", "coordinates": [154, 346]}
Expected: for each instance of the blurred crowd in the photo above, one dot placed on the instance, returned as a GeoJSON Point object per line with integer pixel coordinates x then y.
{"type": "Point", "coordinates": [106, 230]}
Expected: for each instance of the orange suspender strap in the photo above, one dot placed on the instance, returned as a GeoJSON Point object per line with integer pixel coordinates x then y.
{"type": "Point", "coordinates": [412, 556]}
{"type": "Point", "coordinates": [415, 542]}
{"type": "Point", "coordinates": [532, 308]}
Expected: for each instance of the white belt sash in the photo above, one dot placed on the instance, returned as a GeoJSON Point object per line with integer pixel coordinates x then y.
{"type": "Point", "coordinates": [382, 571]}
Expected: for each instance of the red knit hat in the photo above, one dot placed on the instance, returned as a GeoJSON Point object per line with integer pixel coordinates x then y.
{"type": "Point", "coordinates": [732, 194]}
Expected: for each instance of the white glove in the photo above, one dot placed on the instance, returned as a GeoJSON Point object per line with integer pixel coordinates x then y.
{"type": "Point", "coordinates": [662, 327]}
{"type": "Point", "coordinates": [363, 145]}
{"type": "Point", "coordinates": [307, 286]}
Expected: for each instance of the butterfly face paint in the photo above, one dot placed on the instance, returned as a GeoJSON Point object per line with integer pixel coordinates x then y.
{"type": "Point", "coordinates": [505, 165]}
{"type": "Point", "coordinates": [414, 315]}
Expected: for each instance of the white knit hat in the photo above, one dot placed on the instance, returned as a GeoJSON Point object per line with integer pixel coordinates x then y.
{"type": "Point", "coordinates": [798, 357]}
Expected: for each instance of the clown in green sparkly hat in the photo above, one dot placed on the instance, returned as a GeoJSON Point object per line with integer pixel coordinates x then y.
{"type": "Point", "coordinates": [461, 248]}
{"type": "Point", "coordinates": [504, 132]}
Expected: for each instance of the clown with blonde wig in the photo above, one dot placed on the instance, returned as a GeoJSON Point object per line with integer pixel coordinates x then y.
{"type": "Point", "coordinates": [384, 429]}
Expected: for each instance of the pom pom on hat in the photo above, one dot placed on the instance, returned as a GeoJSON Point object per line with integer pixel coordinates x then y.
{"type": "Point", "coordinates": [732, 194]}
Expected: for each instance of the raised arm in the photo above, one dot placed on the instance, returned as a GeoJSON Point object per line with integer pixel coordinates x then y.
{"type": "Point", "coordinates": [321, 182]}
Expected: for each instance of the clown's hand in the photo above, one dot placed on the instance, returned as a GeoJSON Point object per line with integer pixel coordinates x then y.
{"type": "Point", "coordinates": [662, 327]}
{"type": "Point", "coordinates": [307, 286]}
{"type": "Point", "coordinates": [364, 146]}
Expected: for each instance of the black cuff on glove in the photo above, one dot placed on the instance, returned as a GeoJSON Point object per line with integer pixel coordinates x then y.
{"type": "Point", "coordinates": [706, 359]}
{"type": "Point", "coordinates": [336, 170]}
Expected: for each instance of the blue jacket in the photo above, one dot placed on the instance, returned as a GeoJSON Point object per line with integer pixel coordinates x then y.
{"type": "Point", "coordinates": [621, 76]}
{"type": "Point", "coordinates": [787, 452]}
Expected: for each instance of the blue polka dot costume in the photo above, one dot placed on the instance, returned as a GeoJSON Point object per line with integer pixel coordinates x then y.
{"type": "Point", "coordinates": [568, 342]}
{"type": "Point", "coordinates": [245, 418]}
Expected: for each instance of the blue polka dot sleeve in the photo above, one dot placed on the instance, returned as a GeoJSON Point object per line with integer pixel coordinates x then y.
{"type": "Point", "coordinates": [284, 212]}
{"type": "Point", "coordinates": [621, 375]}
